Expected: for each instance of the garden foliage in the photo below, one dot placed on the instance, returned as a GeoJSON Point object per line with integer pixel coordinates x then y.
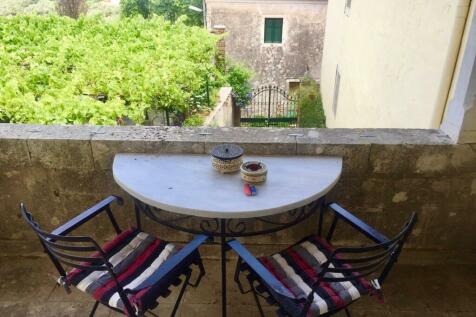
{"type": "Point", "coordinates": [171, 10]}
{"type": "Point", "coordinates": [88, 71]}
{"type": "Point", "coordinates": [238, 78]}
{"type": "Point", "coordinates": [310, 110]}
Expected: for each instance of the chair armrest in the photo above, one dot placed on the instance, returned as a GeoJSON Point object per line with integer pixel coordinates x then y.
{"type": "Point", "coordinates": [358, 224]}
{"type": "Point", "coordinates": [172, 263]}
{"type": "Point", "coordinates": [259, 269]}
{"type": "Point", "coordinates": [86, 215]}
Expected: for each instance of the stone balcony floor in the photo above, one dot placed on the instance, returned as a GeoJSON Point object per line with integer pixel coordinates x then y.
{"type": "Point", "coordinates": [27, 289]}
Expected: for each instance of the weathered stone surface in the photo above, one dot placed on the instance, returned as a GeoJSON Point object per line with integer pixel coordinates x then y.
{"type": "Point", "coordinates": [387, 174]}
{"type": "Point", "coordinates": [355, 156]}
{"type": "Point", "coordinates": [439, 159]}
{"type": "Point", "coordinates": [61, 153]}
{"type": "Point", "coordinates": [185, 140]}
{"type": "Point", "coordinates": [410, 290]}
{"type": "Point", "coordinates": [61, 146]}
{"type": "Point", "coordinates": [264, 141]}
{"type": "Point", "coordinates": [374, 136]}
{"type": "Point", "coordinates": [108, 141]}
{"type": "Point", "coordinates": [273, 64]}
{"type": "Point", "coordinates": [103, 151]}
{"type": "Point", "coordinates": [14, 153]}
{"type": "Point", "coordinates": [18, 131]}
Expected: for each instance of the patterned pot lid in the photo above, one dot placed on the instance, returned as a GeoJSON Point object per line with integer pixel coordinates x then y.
{"type": "Point", "coordinates": [227, 152]}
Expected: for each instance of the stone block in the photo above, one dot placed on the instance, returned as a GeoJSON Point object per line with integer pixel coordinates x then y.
{"type": "Point", "coordinates": [103, 151]}
{"type": "Point", "coordinates": [387, 159]}
{"type": "Point", "coordinates": [374, 136]}
{"type": "Point", "coordinates": [355, 157]}
{"type": "Point", "coordinates": [439, 159]}
{"type": "Point", "coordinates": [18, 131]}
{"type": "Point", "coordinates": [473, 146]}
{"type": "Point", "coordinates": [30, 185]}
{"type": "Point", "coordinates": [14, 153]}
{"type": "Point", "coordinates": [262, 141]}
{"type": "Point", "coordinates": [83, 182]}
{"type": "Point", "coordinates": [61, 147]}
{"type": "Point", "coordinates": [67, 154]}
{"type": "Point", "coordinates": [185, 140]}
{"type": "Point", "coordinates": [348, 192]}
{"type": "Point", "coordinates": [109, 141]}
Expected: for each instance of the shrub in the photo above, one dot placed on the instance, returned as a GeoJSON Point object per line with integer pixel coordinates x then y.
{"type": "Point", "coordinates": [238, 77]}
{"type": "Point", "coordinates": [72, 8]}
{"type": "Point", "coordinates": [195, 120]}
{"type": "Point", "coordinates": [87, 71]}
{"type": "Point", "coordinates": [130, 8]}
{"type": "Point", "coordinates": [310, 110]}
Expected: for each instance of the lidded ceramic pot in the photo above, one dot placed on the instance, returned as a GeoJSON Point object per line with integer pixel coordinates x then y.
{"type": "Point", "coordinates": [227, 158]}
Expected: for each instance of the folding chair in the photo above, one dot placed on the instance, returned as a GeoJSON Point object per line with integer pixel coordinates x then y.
{"type": "Point", "coordinates": [129, 273]}
{"type": "Point", "coordinates": [312, 278]}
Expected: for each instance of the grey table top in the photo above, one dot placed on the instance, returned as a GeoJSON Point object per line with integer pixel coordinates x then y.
{"type": "Point", "coordinates": [187, 184]}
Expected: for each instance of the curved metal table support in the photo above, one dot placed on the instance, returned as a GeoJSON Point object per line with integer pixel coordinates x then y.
{"type": "Point", "coordinates": [222, 228]}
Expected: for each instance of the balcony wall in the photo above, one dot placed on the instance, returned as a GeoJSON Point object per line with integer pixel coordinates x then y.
{"type": "Point", "coordinates": [60, 170]}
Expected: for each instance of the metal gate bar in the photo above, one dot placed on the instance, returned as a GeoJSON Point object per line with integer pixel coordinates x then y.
{"type": "Point", "coordinates": [270, 106]}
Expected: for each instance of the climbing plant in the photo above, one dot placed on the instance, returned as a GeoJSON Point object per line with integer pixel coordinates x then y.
{"type": "Point", "coordinates": [88, 71]}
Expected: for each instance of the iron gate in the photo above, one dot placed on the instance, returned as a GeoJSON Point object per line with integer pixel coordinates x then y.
{"type": "Point", "coordinates": [270, 106]}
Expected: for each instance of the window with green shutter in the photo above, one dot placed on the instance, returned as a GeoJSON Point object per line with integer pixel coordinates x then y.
{"type": "Point", "coordinates": [273, 30]}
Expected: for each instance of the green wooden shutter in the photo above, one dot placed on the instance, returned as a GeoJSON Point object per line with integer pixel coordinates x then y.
{"type": "Point", "coordinates": [273, 30]}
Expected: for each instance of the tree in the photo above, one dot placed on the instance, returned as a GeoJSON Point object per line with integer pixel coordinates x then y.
{"type": "Point", "coordinates": [130, 8]}
{"type": "Point", "coordinates": [171, 10]}
{"type": "Point", "coordinates": [72, 8]}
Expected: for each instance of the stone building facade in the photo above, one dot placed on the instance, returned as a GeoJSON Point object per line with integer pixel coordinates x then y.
{"type": "Point", "coordinates": [277, 56]}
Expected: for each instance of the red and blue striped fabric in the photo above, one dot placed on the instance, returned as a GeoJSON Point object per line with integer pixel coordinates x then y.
{"type": "Point", "coordinates": [297, 268]}
{"type": "Point", "coordinates": [135, 256]}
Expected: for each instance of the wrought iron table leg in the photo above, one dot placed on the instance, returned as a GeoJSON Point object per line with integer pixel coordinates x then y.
{"type": "Point", "coordinates": [138, 215]}
{"type": "Point", "coordinates": [223, 268]}
{"type": "Point", "coordinates": [93, 311]}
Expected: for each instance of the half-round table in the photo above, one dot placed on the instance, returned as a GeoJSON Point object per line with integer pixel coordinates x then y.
{"type": "Point", "coordinates": [172, 188]}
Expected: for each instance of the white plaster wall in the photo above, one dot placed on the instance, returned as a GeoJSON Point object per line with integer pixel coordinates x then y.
{"type": "Point", "coordinates": [460, 116]}
{"type": "Point", "coordinates": [222, 114]}
{"type": "Point", "coordinates": [396, 59]}
{"type": "Point", "coordinates": [469, 126]}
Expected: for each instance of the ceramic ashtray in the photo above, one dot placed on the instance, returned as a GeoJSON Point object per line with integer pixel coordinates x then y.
{"type": "Point", "coordinates": [227, 158]}
{"type": "Point", "coordinates": [253, 172]}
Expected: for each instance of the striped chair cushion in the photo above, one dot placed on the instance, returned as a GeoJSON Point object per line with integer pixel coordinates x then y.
{"type": "Point", "coordinates": [135, 256]}
{"type": "Point", "coordinates": [297, 268]}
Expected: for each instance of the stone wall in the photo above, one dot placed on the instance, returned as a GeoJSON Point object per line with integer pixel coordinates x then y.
{"type": "Point", "coordinates": [60, 170]}
{"type": "Point", "coordinates": [222, 115]}
{"type": "Point", "coordinates": [300, 53]}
